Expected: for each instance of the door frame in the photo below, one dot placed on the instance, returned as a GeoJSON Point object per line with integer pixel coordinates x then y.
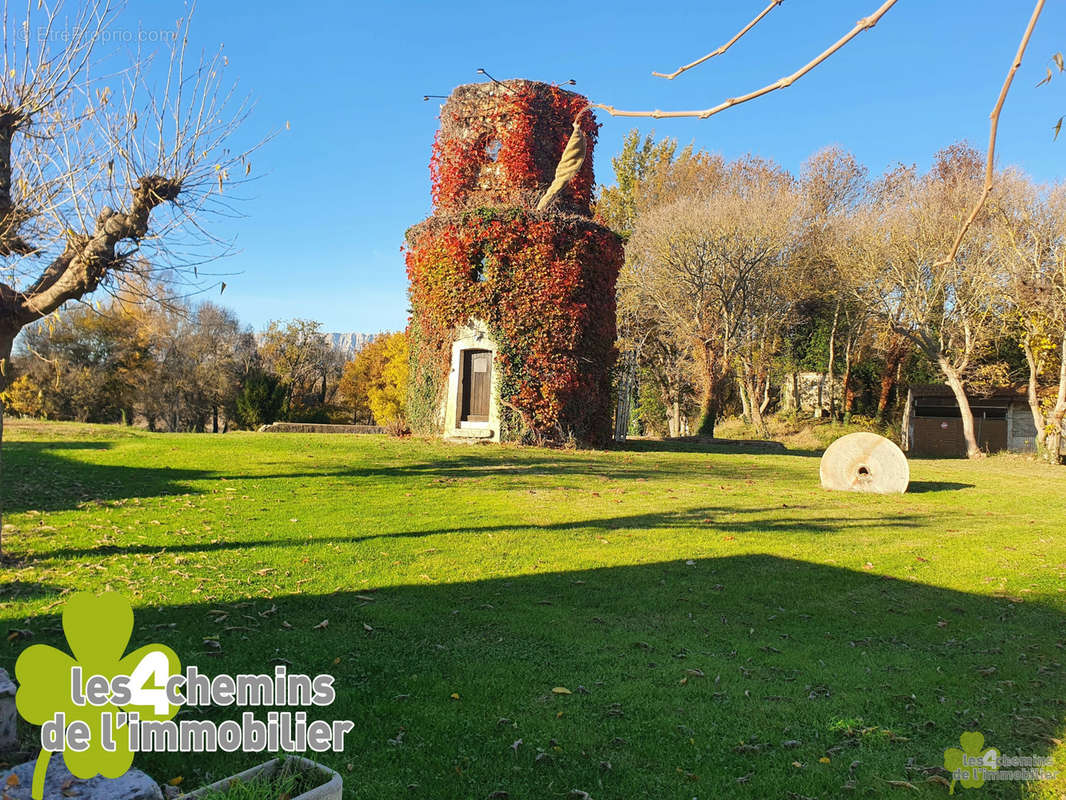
{"type": "Point", "coordinates": [472, 336]}
{"type": "Point", "coordinates": [465, 400]}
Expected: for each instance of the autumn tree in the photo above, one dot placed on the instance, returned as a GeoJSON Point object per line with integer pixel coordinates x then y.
{"type": "Point", "coordinates": [359, 375]}
{"type": "Point", "coordinates": [85, 364]}
{"type": "Point", "coordinates": [618, 206]}
{"type": "Point", "coordinates": [716, 271]}
{"type": "Point", "coordinates": [300, 354]}
{"type": "Point", "coordinates": [649, 174]}
{"type": "Point", "coordinates": [387, 395]}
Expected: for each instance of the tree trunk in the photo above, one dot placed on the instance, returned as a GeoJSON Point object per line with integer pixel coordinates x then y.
{"type": "Point", "coordinates": [893, 358]}
{"type": "Point", "coordinates": [749, 389]}
{"type": "Point", "coordinates": [846, 379]}
{"type": "Point", "coordinates": [708, 404]}
{"type": "Point", "coordinates": [1031, 394]}
{"type": "Point", "coordinates": [1053, 425]}
{"type": "Point", "coordinates": [626, 384]}
{"type": "Point", "coordinates": [765, 404]}
{"type": "Point", "coordinates": [2, 383]}
{"type": "Point", "coordinates": [796, 403]}
{"type": "Point", "coordinates": [744, 404]}
{"type": "Point", "coordinates": [829, 365]}
{"type": "Point", "coordinates": [954, 382]}
{"type": "Point", "coordinates": [6, 342]}
{"type": "Point", "coordinates": [214, 419]}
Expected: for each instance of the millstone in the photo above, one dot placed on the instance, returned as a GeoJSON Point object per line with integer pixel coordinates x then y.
{"type": "Point", "coordinates": [864, 462]}
{"type": "Point", "coordinates": [59, 783]}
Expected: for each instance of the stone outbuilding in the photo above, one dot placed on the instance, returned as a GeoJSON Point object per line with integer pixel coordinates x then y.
{"type": "Point", "coordinates": [932, 423]}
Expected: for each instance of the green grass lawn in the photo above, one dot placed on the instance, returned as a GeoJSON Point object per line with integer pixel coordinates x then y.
{"type": "Point", "coordinates": [725, 627]}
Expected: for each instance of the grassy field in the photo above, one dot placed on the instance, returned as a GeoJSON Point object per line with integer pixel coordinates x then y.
{"type": "Point", "coordinates": [725, 628]}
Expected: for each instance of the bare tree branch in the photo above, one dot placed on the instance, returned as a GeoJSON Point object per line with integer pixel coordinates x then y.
{"type": "Point", "coordinates": [863, 24]}
{"type": "Point", "coordinates": [993, 127]}
{"type": "Point", "coordinates": [671, 75]}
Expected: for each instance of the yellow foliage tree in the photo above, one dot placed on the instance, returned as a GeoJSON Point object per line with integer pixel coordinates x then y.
{"type": "Point", "coordinates": [359, 375]}
{"type": "Point", "coordinates": [387, 395]}
{"type": "Point", "coordinates": [23, 397]}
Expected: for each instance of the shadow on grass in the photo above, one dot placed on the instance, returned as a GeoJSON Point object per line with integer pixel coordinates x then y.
{"type": "Point", "coordinates": [38, 477]}
{"type": "Point", "coordinates": [540, 463]}
{"type": "Point", "coordinates": [706, 678]}
{"type": "Point", "coordinates": [725, 520]}
{"type": "Point", "coordinates": [27, 590]}
{"type": "Point", "coordinates": [722, 446]}
{"type": "Point", "coordinates": [921, 487]}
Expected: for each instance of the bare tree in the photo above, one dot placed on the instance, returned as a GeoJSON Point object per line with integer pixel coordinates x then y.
{"type": "Point", "coordinates": [714, 269]}
{"type": "Point", "coordinates": [947, 308]}
{"type": "Point", "coordinates": [109, 161]}
{"type": "Point", "coordinates": [650, 174]}
{"type": "Point", "coordinates": [863, 24]}
{"type": "Point", "coordinates": [831, 183]}
{"type": "Point", "coordinates": [1030, 226]}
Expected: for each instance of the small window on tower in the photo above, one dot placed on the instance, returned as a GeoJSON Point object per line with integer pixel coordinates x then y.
{"type": "Point", "coordinates": [477, 272]}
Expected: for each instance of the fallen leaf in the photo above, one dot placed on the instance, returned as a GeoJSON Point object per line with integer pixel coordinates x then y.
{"type": "Point", "coordinates": [561, 690]}
{"type": "Point", "coordinates": [902, 785]}
{"type": "Point", "coordinates": [321, 626]}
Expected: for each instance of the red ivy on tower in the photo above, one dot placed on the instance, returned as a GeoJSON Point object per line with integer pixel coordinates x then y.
{"type": "Point", "coordinates": [543, 282]}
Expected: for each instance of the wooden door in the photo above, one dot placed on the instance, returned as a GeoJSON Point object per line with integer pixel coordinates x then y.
{"type": "Point", "coordinates": [477, 385]}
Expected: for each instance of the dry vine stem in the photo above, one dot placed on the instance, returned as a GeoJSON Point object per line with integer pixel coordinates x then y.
{"type": "Point", "coordinates": [993, 127]}
{"type": "Point", "coordinates": [863, 24]}
{"type": "Point", "coordinates": [671, 75]}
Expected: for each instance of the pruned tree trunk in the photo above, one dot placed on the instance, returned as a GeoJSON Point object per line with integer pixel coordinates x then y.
{"type": "Point", "coordinates": [954, 382]}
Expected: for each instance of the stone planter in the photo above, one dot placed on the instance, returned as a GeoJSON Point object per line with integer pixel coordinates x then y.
{"type": "Point", "coordinates": [330, 788]}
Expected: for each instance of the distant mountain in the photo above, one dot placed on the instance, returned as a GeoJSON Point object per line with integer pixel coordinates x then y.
{"type": "Point", "coordinates": [350, 343]}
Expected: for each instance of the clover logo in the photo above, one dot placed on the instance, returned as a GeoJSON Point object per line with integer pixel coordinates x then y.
{"type": "Point", "coordinates": [97, 631]}
{"type": "Point", "coordinates": [968, 765]}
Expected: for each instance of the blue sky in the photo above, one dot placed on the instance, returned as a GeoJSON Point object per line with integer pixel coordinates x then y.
{"type": "Point", "coordinates": [323, 228]}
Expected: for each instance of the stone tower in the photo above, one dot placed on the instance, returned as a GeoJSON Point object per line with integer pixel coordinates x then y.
{"type": "Point", "coordinates": [512, 324]}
